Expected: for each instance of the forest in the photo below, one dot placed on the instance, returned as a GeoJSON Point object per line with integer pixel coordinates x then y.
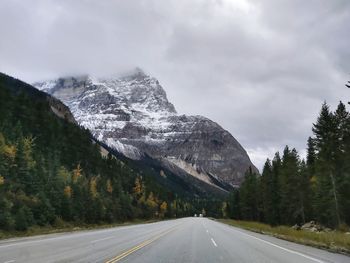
{"type": "Point", "coordinates": [291, 190]}
{"type": "Point", "coordinates": [51, 171]}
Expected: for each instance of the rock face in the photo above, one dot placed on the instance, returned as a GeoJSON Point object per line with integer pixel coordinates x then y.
{"type": "Point", "coordinates": [132, 115]}
{"type": "Point", "coordinates": [60, 109]}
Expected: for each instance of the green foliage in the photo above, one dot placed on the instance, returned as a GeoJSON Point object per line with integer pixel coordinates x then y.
{"type": "Point", "coordinates": [292, 191]}
{"type": "Point", "coordinates": [335, 240]}
{"type": "Point", "coordinates": [51, 170]}
{"type": "Point", "coordinates": [23, 218]}
{"type": "Point", "coordinates": [249, 197]}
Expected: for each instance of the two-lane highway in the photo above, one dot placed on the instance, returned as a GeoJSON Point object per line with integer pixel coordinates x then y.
{"type": "Point", "coordinates": [182, 240]}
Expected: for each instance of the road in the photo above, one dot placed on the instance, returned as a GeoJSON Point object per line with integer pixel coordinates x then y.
{"type": "Point", "coordinates": [182, 240]}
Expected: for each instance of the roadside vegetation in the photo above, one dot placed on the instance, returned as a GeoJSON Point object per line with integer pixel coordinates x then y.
{"type": "Point", "coordinates": [293, 191]}
{"type": "Point", "coordinates": [335, 241]}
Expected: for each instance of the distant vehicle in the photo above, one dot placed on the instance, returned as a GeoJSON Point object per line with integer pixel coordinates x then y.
{"type": "Point", "coordinates": [200, 215]}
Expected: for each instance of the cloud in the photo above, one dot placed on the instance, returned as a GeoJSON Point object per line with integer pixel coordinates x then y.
{"type": "Point", "coordinates": [261, 69]}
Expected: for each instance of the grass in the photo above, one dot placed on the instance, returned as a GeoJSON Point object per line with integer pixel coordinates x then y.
{"type": "Point", "coordinates": [66, 227]}
{"type": "Point", "coordinates": [334, 241]}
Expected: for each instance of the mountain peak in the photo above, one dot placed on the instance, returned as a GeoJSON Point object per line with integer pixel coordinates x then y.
{"type": "Point", "coordinates": [135, 90]}
{"type": "Point", "coordinates": [131, 114]}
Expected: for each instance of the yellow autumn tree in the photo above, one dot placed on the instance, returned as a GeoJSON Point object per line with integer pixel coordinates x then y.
{"type": "Point", "coordinates": [2, 143]}
{"type": "Point", "coordinates": [67, 191]}
{"type": "Point", "coordinates": [10, 151]}
{"type": "Point", "coordinates": [151, 202]}
{"type": "Point", "coordinates": [7, 152]}
{"type": "Point", "coordinates": [93, 187]}
{"type": "Point", "coordinates": [137, 189]}
{"type": "Point", "coordinates": [77, 173]}
{"type": "Point", "coordinates": [2, 180]}
{"type": "Point", "coordinates": [109, 186]}
{"type": "Point", "coordinates": [163, 208]}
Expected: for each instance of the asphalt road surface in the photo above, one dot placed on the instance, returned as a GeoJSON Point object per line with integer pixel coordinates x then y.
{"type": "Point", "coordinates": [182, 240]}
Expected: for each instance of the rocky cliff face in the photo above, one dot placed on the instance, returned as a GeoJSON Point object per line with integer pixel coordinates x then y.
{"type": "Point", "coordinates": [132, 115]}
{"type": "Point", "coordinates": [60, 109]}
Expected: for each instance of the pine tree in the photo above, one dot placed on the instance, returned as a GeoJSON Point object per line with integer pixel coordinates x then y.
{"type": "Point", "coordinates": [326, 145]}
{"type": "Point", "coordinates": [311, 156]}
{"type": "Point", "coordinates": [267, 189]}
{"type": "Point", "coordinates": [276, 192]}
{"type": "Point", "coordinates": [249, 196]}
{"type": "Point", "coordinates": [304, 193]}
{"type": "Point", "coordinates": [342, 160]}
{"type": "Point", "coordinates": [289, 177]}
{"type": "Point", "coordinates": [24, 218]}
{"type": "Point", "coordinates": [25, 165]}
{"type": "Point", "coordinates": [233, 207]}
{"type": "Point", "coordinates": [7, 221]}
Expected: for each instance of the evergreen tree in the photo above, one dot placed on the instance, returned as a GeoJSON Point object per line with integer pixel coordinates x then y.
{"type": "Point", "coordinates": [24, 218]}
{"type": "Point", "coordinates": [295, 191]}
{"type": "Point", "coordinates": [342, 161]}
{"type": "Point", "coordinates": [267, 189]}
{"type": "Point", "coordinates": [233, 206]}
{"type": "Point", "coordinates": [276, 192]}
{"type": "Point", "coordinates": [304, 193]}
{"type": "Point", "coordinates": [249, 203]}
{"type": "Point", "coordinates": [327, 146]}
{"type": "Point", "coordinates": [290, 210]}
{"type": "Point", "coordinates": [311, 156]}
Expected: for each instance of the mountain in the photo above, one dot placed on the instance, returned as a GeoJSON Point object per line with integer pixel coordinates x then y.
{"type": "Point", "coordinates": [132, 115]}
{"type": "Point", "coordinates": [53, 172]}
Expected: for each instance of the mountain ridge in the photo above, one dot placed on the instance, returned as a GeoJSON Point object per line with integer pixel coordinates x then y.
{"type": "Point", "coordinates": [132, 115]}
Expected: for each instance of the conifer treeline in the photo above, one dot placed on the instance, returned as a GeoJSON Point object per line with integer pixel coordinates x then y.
{"type": "Point", "coordinates": [291, 190]}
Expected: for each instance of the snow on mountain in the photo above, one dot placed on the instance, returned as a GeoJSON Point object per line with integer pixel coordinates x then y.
{"type": "Point", "coordinates": [132, 114]}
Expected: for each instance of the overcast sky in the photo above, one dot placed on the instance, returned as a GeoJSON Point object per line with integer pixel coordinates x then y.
{"type": "Point", "coordinates": [261, 69]}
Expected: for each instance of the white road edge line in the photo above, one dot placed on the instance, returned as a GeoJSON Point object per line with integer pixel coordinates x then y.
{"type": "Point", "coordinates": [285, 249]}
{"type": "Point", "coordinates": [212, 240]}
{"type": "Point", "coordinates": [67, 235]}
{"type": "Point", "coordinates": [98, 240]}
{"type": "Point", "coordinates": [10, 261]}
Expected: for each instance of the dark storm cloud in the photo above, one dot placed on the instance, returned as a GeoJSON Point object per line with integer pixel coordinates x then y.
{"type": "Point", "coordinates": [261, 69]}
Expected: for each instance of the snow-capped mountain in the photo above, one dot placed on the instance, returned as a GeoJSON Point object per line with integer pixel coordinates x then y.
{"type": "Point", "coordinates": [132, 115]}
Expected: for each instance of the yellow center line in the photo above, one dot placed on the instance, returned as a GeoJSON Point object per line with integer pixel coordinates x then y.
{"type": "Point", "coordinates": [138, 247]}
